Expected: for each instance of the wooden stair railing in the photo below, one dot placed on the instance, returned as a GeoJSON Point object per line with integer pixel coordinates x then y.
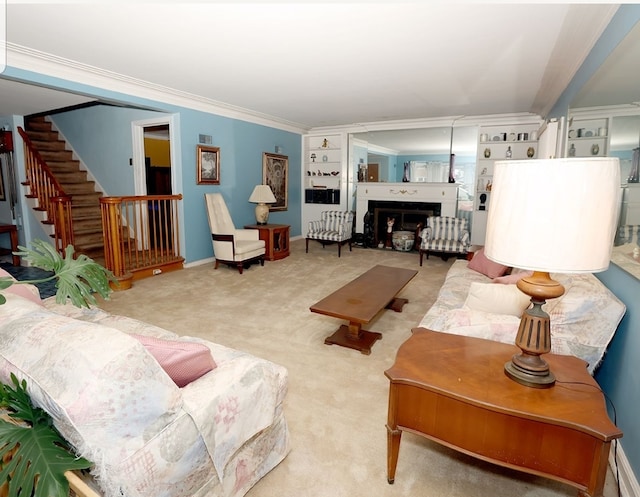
{"type": "Point", "coordinates": [48, 193]}
{"type": "Point", "coordinates": [62, 222]}
{"type": "Point", "coordinates": [140, 236]}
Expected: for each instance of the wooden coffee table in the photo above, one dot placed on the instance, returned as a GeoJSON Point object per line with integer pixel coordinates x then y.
{"type": "Point", "coordinates": [452, 389]}
{"type": "Point", "coordinates": [360, 301]}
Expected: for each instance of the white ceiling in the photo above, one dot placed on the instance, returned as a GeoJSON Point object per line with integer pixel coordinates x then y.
{"type": "Point", "coordinates": [318, 64]}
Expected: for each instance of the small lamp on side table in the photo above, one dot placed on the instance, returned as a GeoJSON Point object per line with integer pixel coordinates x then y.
{"type": "Point", "coordinates": [550, 215]}
{"type": "Point", "coordinates": [262, 195]}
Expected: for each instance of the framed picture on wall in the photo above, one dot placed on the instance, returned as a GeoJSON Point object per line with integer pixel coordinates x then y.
{"type": "Point", "coordinates": [275, 173]}
{"type": "Point", "coordinates": [208, 163]}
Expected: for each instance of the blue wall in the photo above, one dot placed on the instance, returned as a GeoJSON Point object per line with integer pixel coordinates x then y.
{"type": "Point", "coordinates": [102, 137]}
{"type": "Point", "coordinates": [618, 374]}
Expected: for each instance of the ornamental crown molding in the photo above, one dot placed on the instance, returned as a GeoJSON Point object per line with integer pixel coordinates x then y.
{"type": "Point", "coordinates": [28, 59]}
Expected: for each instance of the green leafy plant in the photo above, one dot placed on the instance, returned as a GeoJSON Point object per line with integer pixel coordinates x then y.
{"type": "Point", "coordinates": [33, 455]}
{"type": "Point", "coordinates": [77, 278]}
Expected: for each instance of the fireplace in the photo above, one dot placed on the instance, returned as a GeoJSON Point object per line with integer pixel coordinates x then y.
{"type": "Point", "coordinates": [407, 203]}
{"type": "Point", "coordinates": [407, 216]}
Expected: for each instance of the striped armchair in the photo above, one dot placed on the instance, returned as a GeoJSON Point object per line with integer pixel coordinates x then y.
{"type": "Point", "coordinates": [446, 236]}
{"type": "Point", "coordinates": [333, 227]}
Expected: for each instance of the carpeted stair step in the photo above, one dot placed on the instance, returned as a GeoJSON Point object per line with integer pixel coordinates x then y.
{"type": "Point", "coordinates": [91, 198]}
{"type": "Point", "coordinates": [72, 177]}
{"type": "Point", "coordinates": [42, 136]}
{"type": "Point", "coordinates": [78, 188]}
{"type": "Point", "coordinates": [85, 211]}
{"type": "Point", "coordinates": [89, 240]}
{"type": "Point", "coordinates": [37, 124]}
{"type": "Point", "coordinates": [61, 167]}
{"type": "Point", "coordinates": [49, 146]}
{"type": "Point", "coordinates": [56, 155]}
{"type": "Point", "coordinates": [87, 222]}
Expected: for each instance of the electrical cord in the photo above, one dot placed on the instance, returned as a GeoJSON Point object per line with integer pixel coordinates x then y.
{"type": "Point", "coordinates": [615, 422]}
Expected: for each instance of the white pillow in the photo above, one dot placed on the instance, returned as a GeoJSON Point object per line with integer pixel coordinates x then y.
{"type": "Point", "coordinates": [497, 299]}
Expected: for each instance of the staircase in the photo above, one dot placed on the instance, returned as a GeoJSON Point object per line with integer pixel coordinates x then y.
{"type": "Point", "coordinates": [85, 203]}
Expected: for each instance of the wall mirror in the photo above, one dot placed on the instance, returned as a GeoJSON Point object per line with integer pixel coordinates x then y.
{"type": "Point", "coordinates": [613, 93]}
{"type": "Point", "coordinates": [417, 155]}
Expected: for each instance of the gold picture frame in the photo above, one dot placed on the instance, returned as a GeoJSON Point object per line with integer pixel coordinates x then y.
{"type": "Point", "coordinates": [208, 165]}
{"type": "Point", "coordinates": [275, 173]}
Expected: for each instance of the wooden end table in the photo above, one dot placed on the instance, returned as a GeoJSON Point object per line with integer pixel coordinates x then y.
{"type": "Point", "coordinates": [452, 389]}
{"type": "Point", "coordinates": [276, 239]}
{"type": "Point", "coordinates": [13, 233]}
{"type": "Point", "coordinates": [360, 300]}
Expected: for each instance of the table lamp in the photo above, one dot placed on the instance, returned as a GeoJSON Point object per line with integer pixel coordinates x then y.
{"type": "Point", "coordinates": [262, 195]}
{"type": "Point", "coordinates": [550, 215]}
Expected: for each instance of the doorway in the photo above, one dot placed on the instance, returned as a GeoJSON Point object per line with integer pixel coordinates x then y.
{"type": "Point", "coordinates": [373, 172]}
{"type": "Point", "coordinates": [158, 173]}
{"type": "Point", "coordinates": [157, 159]}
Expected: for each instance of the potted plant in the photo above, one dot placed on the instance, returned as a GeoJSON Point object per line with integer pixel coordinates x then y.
{"type": "Point", "coordinates": [33, 455]}
{"type": "Point", "coordinates": [78, 277]}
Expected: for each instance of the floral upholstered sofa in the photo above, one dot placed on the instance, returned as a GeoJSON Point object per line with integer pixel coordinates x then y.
{"type": "Point", "coordinates": [478, 299]}
{"type": "Point", "coordinates": [117, 404]}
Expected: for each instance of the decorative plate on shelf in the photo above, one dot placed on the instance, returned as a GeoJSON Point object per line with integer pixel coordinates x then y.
{"type": "Point", "coordinates": [572, 133]}
{"type": "Point", "coordinates": [497, 138]}
{"type": "Point", "coordinates": [588, 133]}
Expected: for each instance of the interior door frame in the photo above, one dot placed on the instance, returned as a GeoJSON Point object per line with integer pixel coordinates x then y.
{"type": "Point", "coordinates": [138, 159]}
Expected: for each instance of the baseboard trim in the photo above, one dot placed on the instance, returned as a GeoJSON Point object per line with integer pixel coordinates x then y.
{"type": "Point", "coordinates": [629, 486]}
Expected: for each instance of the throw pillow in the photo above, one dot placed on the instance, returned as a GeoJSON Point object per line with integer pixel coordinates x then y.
{"type": "Point", "coordinates": [24, 290]}
{"type": "Point", "coordinates": [497, 299]}
{"type": "Point", "coordinates": [480, 263]}
{"type": "Point", "coordinates": [183, 361]}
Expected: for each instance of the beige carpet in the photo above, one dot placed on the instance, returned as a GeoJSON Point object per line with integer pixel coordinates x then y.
{"type": "Point", "coordinates": [337, 402]}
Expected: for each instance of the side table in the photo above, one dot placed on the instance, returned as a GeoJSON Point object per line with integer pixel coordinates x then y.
{"type": "Point", "coordinates": [276, 238]}
{"type": "Point", "coordinates": [13, 233]}
{"type": "Point", "coordinates": [452, 389]}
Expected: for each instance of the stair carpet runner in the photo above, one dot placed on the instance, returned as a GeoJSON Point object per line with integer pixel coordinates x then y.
{"type": "Point", "coordinates": [85, 203]}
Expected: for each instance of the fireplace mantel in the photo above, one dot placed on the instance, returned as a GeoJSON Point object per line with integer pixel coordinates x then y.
{"type": "Point", "coordinates": [446, 194]}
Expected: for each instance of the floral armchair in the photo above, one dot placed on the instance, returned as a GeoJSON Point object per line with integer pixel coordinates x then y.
{"type": "Point", "coordinates": [445, 236]}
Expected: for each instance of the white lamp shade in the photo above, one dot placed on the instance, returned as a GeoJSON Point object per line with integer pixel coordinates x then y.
{"type": "Point", "coordinates": [262, 194]}
{"type": "Point", "coordinates": [554, 215]}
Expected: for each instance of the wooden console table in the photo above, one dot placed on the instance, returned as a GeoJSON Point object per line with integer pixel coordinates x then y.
{"type": "Point", "coordinates": [276, 239]}
{"type": "Point", "coordinates": [452, 389]}
{"type": "Point", "coordinates": [13, 233]}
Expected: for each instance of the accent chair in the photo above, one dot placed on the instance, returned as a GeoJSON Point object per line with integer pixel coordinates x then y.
{"type": "Point", "coordinates": [333, 227]}
{"type": "Point", "coordinates": [231, 246]}
{"type": "Point", "coordinates": [445, 236]}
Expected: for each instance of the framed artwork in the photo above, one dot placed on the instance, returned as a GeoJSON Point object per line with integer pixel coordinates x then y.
{"type": "Point", "coordinates": [275, 173]}
{"type": "Point", "coordinates": [208, 160]}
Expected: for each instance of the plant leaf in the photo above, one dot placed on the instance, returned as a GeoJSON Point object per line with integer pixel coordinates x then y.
{"type": "Point", "coordinates": [78, 278]}
{"type": "Point", "coordinates": [32, 452]}
{"type": "Point", "coordinates": [38, 457]}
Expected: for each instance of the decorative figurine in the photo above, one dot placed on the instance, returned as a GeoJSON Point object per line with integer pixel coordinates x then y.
{"type": "Point", "coordinates": [509, 153]}
{"type": "Point", "coordinates": [313, 157]}
{"type": "Point", "coordinates": [388, 243]}
{"type": "Point", "coordinates": [325, 143]}
{"type": "Point", "coordinates": [483, 199]}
